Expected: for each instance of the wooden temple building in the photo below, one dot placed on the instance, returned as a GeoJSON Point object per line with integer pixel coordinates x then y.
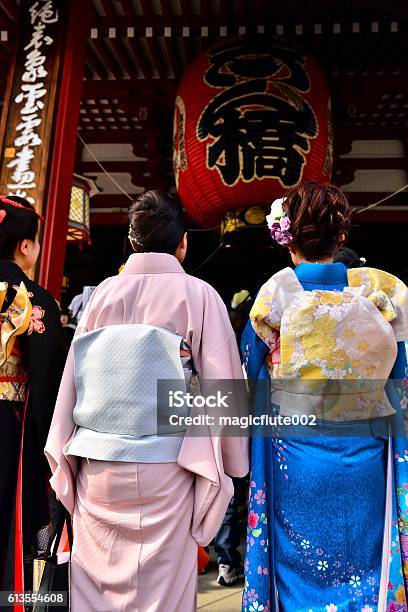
{"type": "Point", "coordinates": [113, 71]}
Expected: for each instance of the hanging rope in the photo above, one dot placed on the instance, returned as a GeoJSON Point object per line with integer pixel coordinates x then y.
{"type": "Point", "coordinates": [204, 229]}
{"type": "Point", "coordinates": [110, 177]}
{"type": "Point", "coordinates": [207, 259]}
{"type": "Point", "coordinates": [360, 210]}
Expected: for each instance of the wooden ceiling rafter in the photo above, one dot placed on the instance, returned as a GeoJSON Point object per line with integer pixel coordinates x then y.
{"type": "Point", "coordinates": [5, 57]}
{"type": "Point", "coordinates": [127, 8]}
{"type": "Point", "coordinates": [143, 63]}
{"type": "Point", "coordinates": [172, 55]}
{"type": "Point", "coordinates": [88, 72]}
{"type": "Point", "coordinates": [156, 56]}
{"type": "Point", "coordinates": [145, 89]}
{"type": "Point", "coordinates": [87, 116]}
{"type": "Point", "coordinates": [121, 52]}
{"type": "Point", "coordinates": [203, 6]}
{"type": "Point", "coordinates": [187, 45]}
{"type": "Point", "coordinates": [148, 15]}
{"type": "Point", "coordinates": [396, 8]}
{"type": "Point", "coordinates": [107, 57]}
{"type": "Point", "coordinates": [107, 8]}
{"type": "Point", "coordinates": [96, 64]}
{"type": "Point", "coordinates": [10, 9]}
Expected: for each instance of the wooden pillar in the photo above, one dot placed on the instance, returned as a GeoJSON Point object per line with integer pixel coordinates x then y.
{"type": "Point", "coordinates": [64, 147]}
{"type": "Point", "coordinates": [40, 119]}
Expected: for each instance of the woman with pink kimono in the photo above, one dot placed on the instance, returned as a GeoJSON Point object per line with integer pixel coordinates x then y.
{"type": "Point", "coordinates": [143, 498]}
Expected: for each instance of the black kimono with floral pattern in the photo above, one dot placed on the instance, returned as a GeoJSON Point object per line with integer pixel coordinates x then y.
{"type": "Point", "coordinates": [32, 356]}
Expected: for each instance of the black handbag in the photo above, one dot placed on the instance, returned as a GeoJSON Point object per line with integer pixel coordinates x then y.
{"type": "Point", "coordinates": [54, 592]}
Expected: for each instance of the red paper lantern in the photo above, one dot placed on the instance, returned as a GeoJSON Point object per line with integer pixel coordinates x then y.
{"type": "Point", "coordinates": [252, 120]}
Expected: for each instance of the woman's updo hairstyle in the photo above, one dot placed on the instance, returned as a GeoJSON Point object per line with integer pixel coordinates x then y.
{"type": "Point", "coordinates": [16, 224]}
{"type": "Point", "coordinates": [319, 214]}
{"type": "Point", "coordinates": [157, 223]}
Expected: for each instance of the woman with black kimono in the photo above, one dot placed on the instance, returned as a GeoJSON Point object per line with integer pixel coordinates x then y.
{"type": "Point", "coordinates": [31, 362]}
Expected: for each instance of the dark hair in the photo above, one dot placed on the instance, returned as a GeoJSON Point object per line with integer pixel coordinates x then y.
{"type": "Point", "coordinates": [349, 258]}
{"type": "Point", "coordinates": [319, 213]}
{"type": "Point", "coordinates": [157, 222]}
{"type": "Point", "coordinates": [18, 224]}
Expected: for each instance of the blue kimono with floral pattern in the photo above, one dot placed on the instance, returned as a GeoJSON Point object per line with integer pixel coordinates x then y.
{"type": "Point", "coordinates": [317, 506]}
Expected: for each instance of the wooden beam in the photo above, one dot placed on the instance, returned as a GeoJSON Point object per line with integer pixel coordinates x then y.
{"type": "Point", "coordinates": [84, 124]}
{"type": "Point", "coordinates": [204, 11]}
{"type": "Point", "coordinates": [10, 9]}
{"type": "Point", "coordinates": [372, 163]}
{"type": "Point", "coordinates": [172, 54]}
{"type": "Point", "coordinates": [128, 10]}
{"type": "Point", "coordinates": [147, 11]}
{"type": "Point", "coordinates": [367, 132]}
{"type": "Point", "coordinates": [64, 147]}
{"type": "Point", "coordinates": [136, 167]}
{"type": "Point", "coordinates": [127, 88]}
{"type": "Point", "coordinates": [126, 61]}
{"type": "Point", "coordinates": [185, 9]}
{"type": "Point", "coordinates": [156, 56]}
{"type": "Point", "coordinates": [110, 218]}
{"type": "Point", "coordinates": [140, 58]}
{"type": "Point", "coordinates": [107, 89]}
{"type": "Point", "coordinates": [395, 8]}
{"type": "Point", "coordinates": [113, 136]}
{"type": "Point", "coordinates": [95, 62]}
{"type": "Point", "coordinates": [88, 72]}
{"type": "Point", "coordinates": [6, 58]}
{"type": "Point", "coordinates": [5, 22]}
{"type": "Point", "coordinates": [378, 83]}
{"type": "Point", "coordinates": [381, 216]}
{"type": "Point", "coordinates": [107, 57]}
{"type": "Point", "coordinates": [361, 198]}
{"type": "Point", "coordinates": [166, 10]}
{"type": "Point", "coordinates": [108, 10]}
{"type": "Point", "coordinates": [109, 201]}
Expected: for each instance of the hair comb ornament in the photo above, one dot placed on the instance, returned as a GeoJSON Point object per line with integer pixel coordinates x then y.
{"type": "Point", "coordinates": [18, 205]}
{"type": "Point", "coordinates": [279, 223]}
{"type": "Point", "coordinates": [132, 238]}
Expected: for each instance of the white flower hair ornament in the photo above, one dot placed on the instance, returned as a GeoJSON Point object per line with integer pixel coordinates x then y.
{"type": "Point", "coordinates": [279, 223]}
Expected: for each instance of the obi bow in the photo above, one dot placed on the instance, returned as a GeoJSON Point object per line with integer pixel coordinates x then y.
{"type": "Point", "coordinates": [384, 304]}
{"type": "Point", "coordinates": [386, 291]}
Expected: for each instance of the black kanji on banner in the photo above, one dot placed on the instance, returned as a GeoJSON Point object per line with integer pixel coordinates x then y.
{"type": "Point", "coordinates": [257, 130]}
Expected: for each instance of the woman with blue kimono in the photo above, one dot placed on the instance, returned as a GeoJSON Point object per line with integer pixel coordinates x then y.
{"type": "Point", "coordinates": [328, 522]}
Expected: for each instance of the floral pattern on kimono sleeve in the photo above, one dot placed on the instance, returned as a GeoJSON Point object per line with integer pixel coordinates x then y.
{"type": "Point", "coordinates": [266, 314]}
{"type": "Point", "coordinates": [253, 351]}
{"type": "Point", "coordinates": [271, 302]}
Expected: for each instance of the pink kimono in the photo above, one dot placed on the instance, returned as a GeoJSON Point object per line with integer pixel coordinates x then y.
{"type": "Point", "coordinates": [137, 525]}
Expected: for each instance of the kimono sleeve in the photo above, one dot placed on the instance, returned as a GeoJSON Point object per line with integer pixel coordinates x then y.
{"type": "Point", "coordinates": [63, 467]}
{"type": "Point", "coordinates": [270, 304]}
{"type": "Point", "coordinates": [219, 360]}
{"type": "Point", "coordinates": [254, 352]}
{"type": "Point", "coordinates": [44, 353]}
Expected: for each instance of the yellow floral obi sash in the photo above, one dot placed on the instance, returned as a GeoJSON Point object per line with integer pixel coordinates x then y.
{"type": "Point", "coordinates": [13, 322]}
{"type": "Point", "coordinates": [337, 348]}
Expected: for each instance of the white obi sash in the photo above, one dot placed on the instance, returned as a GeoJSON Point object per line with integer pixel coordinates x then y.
{"type": "Point", "coordinates": [118, 370]}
